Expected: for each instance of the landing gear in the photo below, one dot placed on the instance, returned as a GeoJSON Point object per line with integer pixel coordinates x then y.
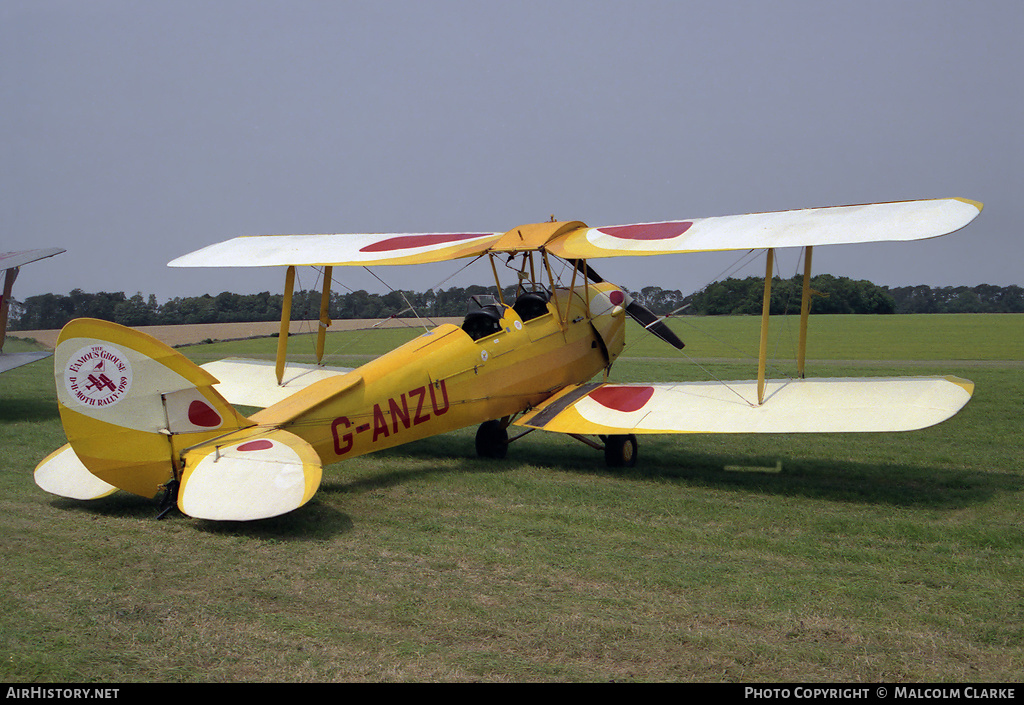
{"type": "Point", "coordinates": [170, 499]}
{"type": "Point", "coordinates": [492, 440]}
{"type": "Point", "coordinates": [620, 451]}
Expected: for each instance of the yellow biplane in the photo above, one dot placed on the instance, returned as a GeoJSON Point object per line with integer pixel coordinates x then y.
{"type": "Point", "coordinates": [141, 417]}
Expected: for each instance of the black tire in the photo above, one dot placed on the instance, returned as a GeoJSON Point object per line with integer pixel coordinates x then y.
{"type": "Point", "coordinates": [620, 451]}
{"type": "Point", "coordinates": [491, 440]}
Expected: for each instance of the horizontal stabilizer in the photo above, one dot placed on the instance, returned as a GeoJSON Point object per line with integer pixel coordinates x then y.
{"type": "Point", "coordinates": [249, 475]}
{"type": "Point", "coordinates": [63, 474]}
{"type": "Point", "coordinates": [8, 361]}
{"type": "Point", "coordinates": [254, 382]}
{"type": "Point", "coordinates": [840, 405]}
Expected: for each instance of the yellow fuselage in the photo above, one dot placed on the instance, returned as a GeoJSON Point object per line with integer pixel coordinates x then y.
{"type": "Point", "coordinates": [444, 379]}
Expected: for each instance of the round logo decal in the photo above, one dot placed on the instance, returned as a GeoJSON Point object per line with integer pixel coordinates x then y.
{"type": "Point", "coordinates": [98, 376]}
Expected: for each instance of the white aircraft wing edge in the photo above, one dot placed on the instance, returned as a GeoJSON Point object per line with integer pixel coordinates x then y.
{"type": "Point", "coordinates": [10, 260]}
{"type": "Point", "coordinates": [827, 405]}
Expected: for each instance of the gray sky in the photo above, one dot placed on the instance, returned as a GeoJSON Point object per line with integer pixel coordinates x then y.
{"type": "Point", "coordinates": [134, 132]}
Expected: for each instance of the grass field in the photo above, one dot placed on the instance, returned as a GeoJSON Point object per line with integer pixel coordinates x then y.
{"type": "Point", "coordinates": [881, 557]}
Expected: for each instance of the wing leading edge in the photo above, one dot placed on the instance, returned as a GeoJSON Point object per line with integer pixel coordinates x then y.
{"type": "Point", "coordinates": [836, 405]}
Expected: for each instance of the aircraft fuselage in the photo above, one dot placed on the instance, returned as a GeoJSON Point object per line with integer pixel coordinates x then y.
{"type": "Point", "coordinates": [445, 380]}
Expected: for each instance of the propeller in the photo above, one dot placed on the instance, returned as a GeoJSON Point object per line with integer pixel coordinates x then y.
{"type": "Point", "coordinates": [637, 311]}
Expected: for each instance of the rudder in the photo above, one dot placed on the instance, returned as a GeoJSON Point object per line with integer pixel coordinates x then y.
{"type": "Point", "coordinates": [130, 405]}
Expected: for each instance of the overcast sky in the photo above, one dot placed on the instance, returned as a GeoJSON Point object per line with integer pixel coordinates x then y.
{"type": "Point", "coordinates": [135, 132]}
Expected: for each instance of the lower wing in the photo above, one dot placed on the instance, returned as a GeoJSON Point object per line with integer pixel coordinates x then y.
{"type": "Point", "coordinates": [839, 405]}
{"type": "Point", "coordinates": [254, 382]}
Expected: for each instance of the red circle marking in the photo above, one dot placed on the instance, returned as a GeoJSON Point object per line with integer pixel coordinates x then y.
{"type": "Point", "coordinates": [624, 399]}
{"type": "Point", "coordinates": [202, 414]}
{"type": "Point", "coordinates": [262, 444]}
{"type": "Point", "coordinates": [406, 242]}
{"type": "Point", "coordinates": [648, 231]}
{"type": "Point", "coordinates": [616, 297]}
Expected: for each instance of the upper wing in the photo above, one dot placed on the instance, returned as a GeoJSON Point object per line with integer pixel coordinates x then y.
{"type": "Point", "coordinates": [338, 250]}
{"type": "Point", "coordinates": [899, 221]}
{"type": "Point", "coordinates": [903, 220]}
{"type": "Point", "coordinates": [841, 405]}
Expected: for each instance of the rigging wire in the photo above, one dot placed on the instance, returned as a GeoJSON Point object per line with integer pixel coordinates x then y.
{"type": "Point", "coordinates": [339, 350]}
{"type": "Point", "coordinates": [735, 266]}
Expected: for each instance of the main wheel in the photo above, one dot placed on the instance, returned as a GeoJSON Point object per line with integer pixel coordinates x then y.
{"type": "Point", "coordinates": [620, 451]}
{"type": "Point", "coordinates": [491, 440]}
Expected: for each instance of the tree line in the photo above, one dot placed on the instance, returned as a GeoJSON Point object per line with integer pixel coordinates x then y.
{"type": "Point", "coordinates": [725, 297]}
{"type": "Point", "coordinates": [833, 295]}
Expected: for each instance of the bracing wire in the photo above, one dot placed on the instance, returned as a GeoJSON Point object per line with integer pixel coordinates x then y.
{"type": "Point", "coordinates": [350, 341]}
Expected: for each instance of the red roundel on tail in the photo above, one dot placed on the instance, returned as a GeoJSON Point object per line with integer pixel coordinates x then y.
{"type": "Point", "coordinates": [625, 399]}
{"type": "Point", "coordinates": [202, 414]}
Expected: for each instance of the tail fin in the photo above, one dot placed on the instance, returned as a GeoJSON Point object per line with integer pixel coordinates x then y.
{"type": "Point", "coordinates": [137, 414]}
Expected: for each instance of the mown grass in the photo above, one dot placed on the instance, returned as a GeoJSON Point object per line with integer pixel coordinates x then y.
{"type": "Point", "coordinates": [888, 557]}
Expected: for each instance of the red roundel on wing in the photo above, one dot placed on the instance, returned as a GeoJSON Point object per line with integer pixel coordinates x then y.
{"type": "Point", "coordinates": [648, 231]}
{"type": "Point", "coordinates": [202, 414]}
{"type": "Point", "coordinates": [616, 297]}
{"type": "Point", "coordinates": [405, 242]}
{"type": "Point", "coordinates": [624, 399]}
{"type": "Point", "coordinates": [261, 444]}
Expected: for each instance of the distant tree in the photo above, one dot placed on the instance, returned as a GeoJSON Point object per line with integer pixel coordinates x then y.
{"type": "Point", "coordinates": [832, 295]}
{"type": "Point", "coordinates": [135, 311]}
{"type": "Point", "coordinates": [726, 297]}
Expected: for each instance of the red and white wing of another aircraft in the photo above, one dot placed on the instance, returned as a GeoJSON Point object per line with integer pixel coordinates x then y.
{"type": "Point", "coordinates": [10, 262]}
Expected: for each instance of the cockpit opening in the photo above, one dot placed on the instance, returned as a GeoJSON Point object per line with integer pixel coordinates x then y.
{"type": "Point", "coordinates": [484, 319]}
{"type": "Point", "coordinates": [531, 304]}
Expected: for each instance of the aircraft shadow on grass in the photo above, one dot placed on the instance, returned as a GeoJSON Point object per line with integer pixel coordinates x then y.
{"type": "Point", "coordinates": [895, 484]}
{"type": "Point", "coordinates": [21, 408]}
{"type": "Point", "coordinates": [813, 478]}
